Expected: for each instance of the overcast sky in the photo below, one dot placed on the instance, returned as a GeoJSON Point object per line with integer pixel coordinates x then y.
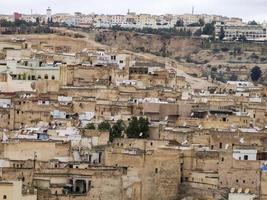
{"type": "Point", "coordinates": [247, 9]}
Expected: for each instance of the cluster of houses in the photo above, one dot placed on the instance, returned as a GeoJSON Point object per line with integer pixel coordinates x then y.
{"type": "Point", "coordinates": [207, 143]}
{"type": "Point", "coordinates": [233, 28]}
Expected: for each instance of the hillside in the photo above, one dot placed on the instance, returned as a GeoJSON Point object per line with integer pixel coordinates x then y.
{"type": "Point", "coordinates": [150, 43]}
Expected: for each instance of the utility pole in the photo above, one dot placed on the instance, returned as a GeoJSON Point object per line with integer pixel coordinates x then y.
{"type": "Point", "coordinates": [34, 159]}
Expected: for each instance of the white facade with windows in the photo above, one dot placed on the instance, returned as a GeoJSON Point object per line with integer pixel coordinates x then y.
{"type": "Point", "coordinates": [251, 32]}
{"type": "Point", "coordinates": [245, 154]}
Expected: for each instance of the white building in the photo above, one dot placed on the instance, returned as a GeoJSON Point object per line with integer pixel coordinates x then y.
{"type": "Point", "coordinates": [251, 32]}
{"type": "Point", "coordinates": [245, 154]}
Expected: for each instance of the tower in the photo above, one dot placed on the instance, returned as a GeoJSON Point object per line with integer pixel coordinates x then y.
{"type": "Point", "coordinates": [48, 13]}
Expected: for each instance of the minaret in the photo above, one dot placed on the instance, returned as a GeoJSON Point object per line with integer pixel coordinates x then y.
{"type": "Point", "coordinates": [48, 13]}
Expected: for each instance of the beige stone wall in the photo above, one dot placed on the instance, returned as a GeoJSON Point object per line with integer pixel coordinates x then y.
{"type": "Point", "coordinates": [106, 183]}
{"type": "Point", "coordinates": [214, 122]}
{"type": "Point", "coordinates": [263, 185]}
{"type": "Point", "coordinates": [158, 168]}
{"type": "Point", "coordinates": [13, 191]}
{"type": "Point", "coordinates": [239, 173]}
{"type": "Point", "coordinates": [13, 174]}
{"type": "Point", "coordinates": [24, 150]}
{"type": "Point", "coordinates": [45, 86]}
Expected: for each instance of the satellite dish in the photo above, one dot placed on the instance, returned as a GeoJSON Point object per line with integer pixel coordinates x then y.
{"type": "Point", "coordinates": [246, 191]}
{"type": "Point", "coordinates": [232, 190]}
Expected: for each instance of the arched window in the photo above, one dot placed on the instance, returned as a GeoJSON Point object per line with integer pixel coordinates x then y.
{"type": "Point", "coordinates": [53, 77]}
{"type": "Point", "coordinates": [46, 76]}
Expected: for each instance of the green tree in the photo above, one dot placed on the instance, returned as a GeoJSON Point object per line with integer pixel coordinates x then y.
{"type": "Point", "coordinates": [252, 23]}
{"type": "Point", "coordinates": [37, 21]}
{"type": "Point", "coordinates": [144, 126]}
{"type": "Point", "coordinates": [138, 128]}
{"type": "Point", "coordinates": [198, 32]}
{"type": "Point", "coordinates": [90, 126]}
{"type": "Point", "coordinates": [242, 38]}
{"type": "Point", "coordinates": [117, 130]}
{"type": "Point", "coordinates": [255, 73]}
{"type": "Point", "coordinates": [179, 23]}
{"type": "Point", "coordinates": [208, 29]}
{"type": "Point", "coordinates": [214, 69]}
{"type": "Point", "coordinates": [222, 34]}
{"type": "Point", "coordinates": [201, 22]}
{"type": "Point", "coordinates": [233, 77]}
{"type": "Point", "coordinates": [104, 126]}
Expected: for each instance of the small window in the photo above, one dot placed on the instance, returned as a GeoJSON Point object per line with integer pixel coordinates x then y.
{"type": "Point", "coordinates": [220, 145]}
{"type": "Point", "coordinates": [224, 119]}
{"type": "Point", "coordinates": [4, 197]}
{"type": "Point", "coordinates": [156, 170]}
{"type": "Point", "coordinates": [151, 144]}
{"type": "Point", "coordinates": [245, 157]}
{"type": "Point", "coordinates": [53, 77]}
{"type": "Point", "coordinates": [236, 180]}
{"type": "Point", "coordinates": [244, 181]}
{"type": "Point", "coordinates": [222, 159]}
{"type": "Point", "coordinates": [46, 76]}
